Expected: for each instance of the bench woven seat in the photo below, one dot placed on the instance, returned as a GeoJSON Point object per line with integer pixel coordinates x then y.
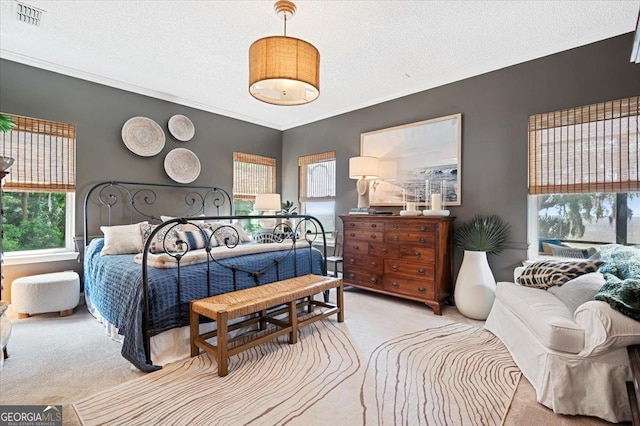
{"type": "Point", "coordinates": [241, 303]}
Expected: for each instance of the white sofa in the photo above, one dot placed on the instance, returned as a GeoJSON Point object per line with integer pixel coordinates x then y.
{"type": "Point", "coordinates": [575, 358]}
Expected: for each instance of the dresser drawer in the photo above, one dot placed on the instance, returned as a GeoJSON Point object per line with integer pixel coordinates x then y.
{"type": "Point", "coordinates": [360, 277]}
{"type": "Point", "coordinates": [411, 227]}
{"type": "Point", "coordinates": [363, 235]}
{"type": "Point", "coordinates": [427, 238]}
{"type": "Point", "coordinates": [410, 269]}
{"type": "Point", "coordinates": [417, 253]}
{"type": "Point", "coordinates": [364, 225]}
{"type": "Point", "coordinates": [355, 247]}
{"type": "Point", "coordinates": [368, 263]}
{"type": "Point", "coordinates": [415, 288]}
{"type": "Point", "coordinates": [384, 249]}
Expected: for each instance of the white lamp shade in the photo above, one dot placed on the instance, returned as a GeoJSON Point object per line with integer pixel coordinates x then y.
{"type": "Point", "coordinates": [364, 167]}
{"type": "Point", "coordinates": [267, 202]}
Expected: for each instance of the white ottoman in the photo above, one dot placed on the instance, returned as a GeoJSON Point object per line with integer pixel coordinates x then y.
{"type": "Point", "coordinates": [36, 294]}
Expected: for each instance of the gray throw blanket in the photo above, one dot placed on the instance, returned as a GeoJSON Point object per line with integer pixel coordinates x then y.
{"type": "Point", "coordinates": [621, 271]}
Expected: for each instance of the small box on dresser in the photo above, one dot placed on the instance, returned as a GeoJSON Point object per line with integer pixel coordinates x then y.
{"type": "Point", "coordinates": [408, 257]}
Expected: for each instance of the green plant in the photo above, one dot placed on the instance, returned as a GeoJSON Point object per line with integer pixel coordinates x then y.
{"type": "Point", "coordinates": [6, 123]}
{"type": "Point", "coordinates": [483, 233]}
{"type": "Point", "coordinates": [288, 208]}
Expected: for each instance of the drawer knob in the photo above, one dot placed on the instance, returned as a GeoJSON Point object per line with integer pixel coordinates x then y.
{"type": "Point", "coordinates": [421, 240]}
{"type": "Point", "coordinates": [423, 228]}
{"type": "Point", "coordinates": [352, 235]}
{"type": "Point", "coordinates": [356, 247]}
{"type": "Point", "coordinates": [373, 225]}
{"type": "Point", "coordinates": [394, 268]}
{"type": "Point", "coordinates": [395, 285]}
{"type": "Point", "coordinates": [421, 271]}
{"type": "Point", "coordinates": [352, 261]}
{"type": "Point", "coordinates": [373, 236]}
{"type": "Point", "coordinates": [395, 238]}
{"type": "Point", "coordinates": [373, 264]}
{"type": "Point", "coordinates": [384, 250]}
{"type": "Point", "coordinates": [395, 226]}
{"type": "Point", "coordinates": [352, 224]}
{"type": "Point", "coordinates": [352, 276]}
{"type": "Point", "coordinates": [373, 280]}
{"type": "Point", "coordinates": [416, 253]}
{"type": "Point", "coordinates": [421, 289]}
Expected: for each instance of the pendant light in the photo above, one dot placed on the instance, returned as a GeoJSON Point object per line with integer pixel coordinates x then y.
{"type": "Point", "coordinates": [284, 70]}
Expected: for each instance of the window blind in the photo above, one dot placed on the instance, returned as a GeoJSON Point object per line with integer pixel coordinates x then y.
{"type": "Point", "coordinates": [317, 173]}
{"type": "Point", "coordinates": [253, 174]}
{"type": "Point", "coordinates": [44, 153]}
{"type": "Point", "coordinates": [587, 149]}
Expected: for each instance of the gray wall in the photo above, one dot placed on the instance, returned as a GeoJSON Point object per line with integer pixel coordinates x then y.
{"type": "Point", "coordinates": [495, 108]}
{"type": "Point", "coordinates": [99, 112]}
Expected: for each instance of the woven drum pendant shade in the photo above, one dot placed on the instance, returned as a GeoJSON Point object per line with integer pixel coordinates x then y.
{"type": "Point", "coordinates": [284, 71]}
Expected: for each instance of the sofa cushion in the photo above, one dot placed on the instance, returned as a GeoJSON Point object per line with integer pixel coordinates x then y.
{"type": "Point", "coordinates": [547, 273]}
{"type": "Point", "coordinates": [579, 290]}
{"type": "Point", "coordinates": [607, 329]}
{"type": "Point", "coordinates": [547, 317]}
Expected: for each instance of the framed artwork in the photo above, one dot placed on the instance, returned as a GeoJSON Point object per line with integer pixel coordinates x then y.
{"type": "Point", "coordinates": [416, 160]}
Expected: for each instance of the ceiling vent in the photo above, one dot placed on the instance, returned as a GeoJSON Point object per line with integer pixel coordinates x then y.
{"type": "Point", "coordinates": [29, 14]}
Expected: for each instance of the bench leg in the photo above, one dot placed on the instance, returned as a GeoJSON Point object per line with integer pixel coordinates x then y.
{"type": "Point", "coordinates": [340, 302]}
{"type": "Point", "coordinates": [223, 342]}
{"type": "Point", "coordinates": [263, 322]}
{"type": "Point", "coordinates": [293, 321]}
{"type": "Point", "coordinates": [194, 332]}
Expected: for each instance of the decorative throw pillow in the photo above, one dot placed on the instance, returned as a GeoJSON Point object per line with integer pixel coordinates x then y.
{"type": "Point", "coordinates": [548, 273]}
{"type": "Point", "coordinates": [122, 239]}
{"type": "Point", "coordinates": [229, 234]}
{"type": "Point", "coordinates": [159, 242]}
{"type": "Point", "coordinates": [197, 239]}
{"type": "Point", "coordinates": [579, 290]}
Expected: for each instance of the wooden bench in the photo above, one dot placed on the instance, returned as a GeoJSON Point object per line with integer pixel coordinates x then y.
{"type": "Point", "coordinates": [293, 293]}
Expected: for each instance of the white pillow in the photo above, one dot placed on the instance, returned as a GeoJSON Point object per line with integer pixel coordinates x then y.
{"type": "Point", "coordinates": [579, 290]}
{"type": "Point", "coordinates": [226, 232]}
{"type": "Point", "coordinates": [122, 239]}
{"type": "Point", "coordinates": [605, 328]}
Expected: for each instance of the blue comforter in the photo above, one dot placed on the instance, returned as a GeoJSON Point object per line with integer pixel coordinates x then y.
{"type": "Point", "coordinates": [113, 285]}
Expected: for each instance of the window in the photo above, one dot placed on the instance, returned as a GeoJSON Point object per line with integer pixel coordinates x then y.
{"type": "Point", "coordinates": [38, 195]}
{"type": "Point", "coordinates": [317, 173]}
{"type": "Point", "coordinates": [584, 174]}
{"type": "Point", "coordinates": [252, 174]}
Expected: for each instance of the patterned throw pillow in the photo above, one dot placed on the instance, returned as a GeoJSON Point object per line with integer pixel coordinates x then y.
{"type": "Point", "coordinates": [548, 273]}
{"type": "Point", "coordinates": [229, 234]}
{"type": "Point", "coordinates": [170, 242]}
{"type": "Point", "coordinates": [197, 239]}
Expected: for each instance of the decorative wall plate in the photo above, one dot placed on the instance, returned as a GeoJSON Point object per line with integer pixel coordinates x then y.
{"type": "Point", "coordinates": [182, 165]}
{"type": "Point", "coordinates": [143, 136]}
{"type": "Point", "coordinates": [181, 128]}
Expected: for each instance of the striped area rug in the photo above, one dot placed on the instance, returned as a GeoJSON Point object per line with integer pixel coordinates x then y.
{"type": "Point", "coordinates": [450, 375]}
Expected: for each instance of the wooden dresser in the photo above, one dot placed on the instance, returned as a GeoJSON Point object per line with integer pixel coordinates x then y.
{"type": "Point", "coordinates": [408, 257]}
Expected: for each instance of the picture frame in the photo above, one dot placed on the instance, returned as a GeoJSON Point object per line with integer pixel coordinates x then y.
{"type": "Point", "coordinates": [416, 160]}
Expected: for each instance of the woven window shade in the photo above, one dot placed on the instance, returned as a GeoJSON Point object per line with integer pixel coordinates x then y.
{"type": "Point", "coordinates": [593, 148]}
{"type": "Point", "coordinates": [253, 174]}
{"type": "Point", "coordinates": [44, 153]}
{"type": "Point", "coordinates": [317, 177]}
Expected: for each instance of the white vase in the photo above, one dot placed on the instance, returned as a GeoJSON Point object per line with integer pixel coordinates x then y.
{"type": "Point", "coordinates": [475, 286]}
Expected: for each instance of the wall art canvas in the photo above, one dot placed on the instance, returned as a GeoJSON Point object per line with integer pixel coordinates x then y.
{"type": "Point", "coordinates": [416, 160]}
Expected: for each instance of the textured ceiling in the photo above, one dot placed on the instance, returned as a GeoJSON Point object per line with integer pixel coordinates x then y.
{"type": "Point", "coordinates": [196, 52]}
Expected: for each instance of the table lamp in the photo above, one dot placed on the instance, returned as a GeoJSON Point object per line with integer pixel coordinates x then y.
{"type": "Point", "coordinates": [269, 204]}
{"type": "Point", "coordinates": [364, 169]}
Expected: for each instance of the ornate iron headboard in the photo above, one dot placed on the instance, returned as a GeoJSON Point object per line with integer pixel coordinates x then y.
{"type": "Point", "coordinates": [135, 200]}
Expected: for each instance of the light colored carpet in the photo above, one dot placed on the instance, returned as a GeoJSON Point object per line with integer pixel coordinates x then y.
{"type": "Point", "coordinates": [57, 360]}
{"type": "Point", "coordinates": [453, 374]}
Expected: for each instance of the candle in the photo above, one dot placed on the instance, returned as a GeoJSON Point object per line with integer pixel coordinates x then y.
{"type": "Point", "coordinates": [411, 206]}
{"type": "Point", "coordinates": [427, 190]}
{"type": "Point", "coordinates": [404, 198]}
{"type": "Point", "coordinates": [436, 202]}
